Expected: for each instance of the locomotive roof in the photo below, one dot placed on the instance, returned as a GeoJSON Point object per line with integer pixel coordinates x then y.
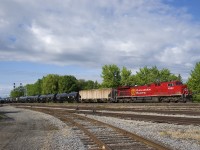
{"type": "Point", "coordinates": [165, 82]}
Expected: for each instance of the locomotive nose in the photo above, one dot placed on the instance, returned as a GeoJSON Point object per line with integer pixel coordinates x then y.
{"type": "Point", "coordinates": [185, 91]}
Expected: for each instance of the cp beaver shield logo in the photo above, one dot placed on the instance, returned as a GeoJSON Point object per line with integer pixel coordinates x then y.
{"type": "Point", "coordinates": [133, 92]}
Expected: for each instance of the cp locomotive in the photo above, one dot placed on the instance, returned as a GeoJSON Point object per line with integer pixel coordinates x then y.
{"type": "Point", "coordinates": [173, 91]}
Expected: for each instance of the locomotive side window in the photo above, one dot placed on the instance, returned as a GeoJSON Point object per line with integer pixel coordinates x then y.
{"type": "Point", "coordinates": [170, 84]}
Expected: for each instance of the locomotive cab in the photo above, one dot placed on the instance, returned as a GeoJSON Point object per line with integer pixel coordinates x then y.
{"type": "Point", "coordinates": [179, 91]}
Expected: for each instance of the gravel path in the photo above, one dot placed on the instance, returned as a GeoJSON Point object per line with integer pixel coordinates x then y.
{"type": "Point", "coordinates": [178, 137]}
{"type": "Point", "coordinates": [30, 130]}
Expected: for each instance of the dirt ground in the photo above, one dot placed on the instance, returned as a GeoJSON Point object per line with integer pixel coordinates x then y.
{"type": "Point", "coordinates": [22, 129]}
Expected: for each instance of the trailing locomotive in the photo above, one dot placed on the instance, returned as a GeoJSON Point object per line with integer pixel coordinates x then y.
{"type": "Point", "coordinates": [173, 91]}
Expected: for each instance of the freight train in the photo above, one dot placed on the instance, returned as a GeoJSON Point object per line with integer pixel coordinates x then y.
{"type": "Point", "coordinates": [173, 91]}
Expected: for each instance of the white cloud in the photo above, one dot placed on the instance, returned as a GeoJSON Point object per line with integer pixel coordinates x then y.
{"type": "Point", "coordinates": [127, 33]}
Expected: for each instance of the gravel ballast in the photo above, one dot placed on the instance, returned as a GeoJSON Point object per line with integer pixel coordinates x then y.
{"type": "Point", "coordinates": [26, 129]}
{"type": "Point", "coordinates": [180, 137]}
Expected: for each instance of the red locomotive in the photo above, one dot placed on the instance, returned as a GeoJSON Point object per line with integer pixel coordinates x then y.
{"type": "Point", "coordinates": [173, 91]}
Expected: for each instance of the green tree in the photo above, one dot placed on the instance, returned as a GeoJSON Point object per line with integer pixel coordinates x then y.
{"type": "Point", "coordinates": [86, 85]}
{"type": "Point", "coordinates": [96, 85]}
{"type": "Point", "coordinates": [143, 76]}
{"type": "Point", "coordinates": [151, 75]}
{"type": "Point", "coordinates": [34, 89]}
{"type": "Point", "coordinates": [89, 85]}
{"type": "Point", "coordinates": [125, 77]}
{"type": "Point", "coordinates": [154, 74]}
{"type": "Point", "coordinates": [38, 87]}
{"type": "Point", "coordinates": [173, 77]}
{"type": "Point", "coordinates": [17, 92]}
{"type": "Point", "coordinates": [50, 84]}
{"type": "Point", "coordinates": [133, 80]}
{"type": "Point", "coordinates": [194, 79]}
{"type": "Point", "coordinates": [111, 76]}
{"type": "Point", "coordinates": [180, 78]}
{"type": "Point", "coordinates": [67, 84]}
{"type": "Point", "coordinates": [30, 89]}
{"type": "Point", "coordinates": [164, 74]}
{"type": "Point", "coordinates": [81, 84]}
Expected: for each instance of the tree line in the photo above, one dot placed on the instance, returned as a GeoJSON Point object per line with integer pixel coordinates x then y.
{"type": "Point", "coordinates": [194, 82]}
{"type": "Point", "coordinates": [112, 77]}
{"type": "Point", "coordinates": [52, 84]}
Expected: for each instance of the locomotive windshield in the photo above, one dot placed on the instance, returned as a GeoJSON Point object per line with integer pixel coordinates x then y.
{"type": "Point", "coordinates": [179, 83]}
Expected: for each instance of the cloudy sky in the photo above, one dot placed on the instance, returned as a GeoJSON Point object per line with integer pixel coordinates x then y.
{"type": "Point", "coordinates": [78, 37]}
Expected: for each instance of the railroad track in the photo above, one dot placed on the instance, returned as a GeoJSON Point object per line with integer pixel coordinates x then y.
{"type": "Point", "coordinates": [168, 109]}
{"type": "Point", "coordinates": [141, 117]}
{"type": "Point", "coordinates": [97, 135]}
{"type": "Point", "coordinates": [152, 118]}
